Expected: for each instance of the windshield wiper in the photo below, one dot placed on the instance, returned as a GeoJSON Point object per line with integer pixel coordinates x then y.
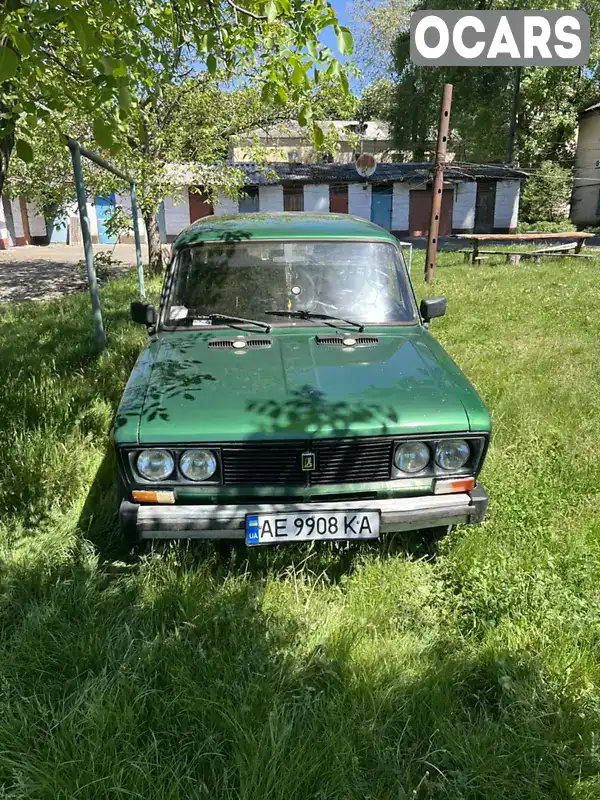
{"type": "Point", "coordinates": [229, 318]}
{"type": "Point", "coordinates": [308, 315]}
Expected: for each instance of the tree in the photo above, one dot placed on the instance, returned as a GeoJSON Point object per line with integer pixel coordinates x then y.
{"type": "Point", "coordinates": [113, 59]}
{"type": "Point", "coordinates": [546, 194]}
{"type": "Point", "coordinates": [550, 98]}
{"type": "Point", "coordinates": [376, 26]}
{"type": "Point", "coordinates": [377, 100]}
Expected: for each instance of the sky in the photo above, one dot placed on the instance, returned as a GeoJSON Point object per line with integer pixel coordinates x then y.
{"type": "Point", "coordinates": [342, 10]}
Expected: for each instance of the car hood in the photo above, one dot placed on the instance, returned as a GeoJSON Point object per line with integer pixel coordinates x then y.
{"type": "Point", "coordinates": [183, 391]}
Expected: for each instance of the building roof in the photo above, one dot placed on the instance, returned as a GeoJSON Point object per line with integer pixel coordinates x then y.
{"type": "Point", "coordinates": [278, 172]}
{"type": "Point", "coordinates": [281, 225]}
{"type": "Point", "coordinates": [283, 172]}
{"type": "Point", "coordinates": [376, 129]}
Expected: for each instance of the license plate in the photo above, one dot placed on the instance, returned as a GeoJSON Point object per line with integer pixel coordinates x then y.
{"type": "Point", "coordinates": [305, 527]}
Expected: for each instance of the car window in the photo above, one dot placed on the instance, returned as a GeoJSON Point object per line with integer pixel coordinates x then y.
{"type": "Point", "coordinates": [365, 281]}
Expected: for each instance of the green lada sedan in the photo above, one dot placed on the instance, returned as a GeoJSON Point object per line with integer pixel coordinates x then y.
{"type": "Point", "coordinates": [290, 390]}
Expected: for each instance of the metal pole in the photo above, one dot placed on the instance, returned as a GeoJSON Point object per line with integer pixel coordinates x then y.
{"type": "Point", "coordinates": [99, 336]}
{"type": "Point", "coordinates": [138, 245]}
{"type": "Point", "coordinates": [512, 129]}
{"type": "Point", "coordinates": [438, 182]}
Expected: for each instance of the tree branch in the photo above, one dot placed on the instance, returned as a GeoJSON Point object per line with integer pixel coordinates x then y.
{"type": "Point", "coordinates": [245, 11]}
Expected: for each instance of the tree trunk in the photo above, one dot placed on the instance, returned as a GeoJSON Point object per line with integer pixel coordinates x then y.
{"type": "Point", "coordinates": [6, 145]}
{"type": "Point", "coordinates": [155, 256]}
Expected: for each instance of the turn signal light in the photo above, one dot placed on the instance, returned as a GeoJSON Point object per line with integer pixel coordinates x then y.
{"type": "Point", "coordinates": [454, 485]}
{"type": "Point", "coordinates": [143, 496]}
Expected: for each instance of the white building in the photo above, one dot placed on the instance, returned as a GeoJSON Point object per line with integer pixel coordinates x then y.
{"type": "Point", "coordinates": [477, 197]}
{"type": "Point", "coordinates": [585, 200]}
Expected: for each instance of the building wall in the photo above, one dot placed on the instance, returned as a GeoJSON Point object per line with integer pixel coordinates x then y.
{"type": "Point", "coordinates": [506, 209]}
{"type": "Point", "coordinates": [124, 201]}
{"type": "Point", "coordinates": [37, 225]}
{"type": "Point", "coordinates": [5, 237]}
{"type": "Point", "coordinates": [301, 151]}
{"type": "Point", "coordinates": [463, 209]}
{"type": "Point", "coordinates": [19, 231]}
{"type": "Point", "coordinates": [400, 205]}
{"type": "Point", "coordinates": [359, 200]}
{"type": "Point", "coordinates": [225, 205]}
{"type": "Point", "coordinates": [316, 197]}
{"type": "Point", "coordinates": [270, 198]}
{"type": "Point", "coordinates": [177, 213]}
{"type": "Point", "coordinates": [586, 177]}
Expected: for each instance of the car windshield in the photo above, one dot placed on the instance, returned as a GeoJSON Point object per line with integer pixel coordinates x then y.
{"type": "Point", "coordinates": [362, 281]}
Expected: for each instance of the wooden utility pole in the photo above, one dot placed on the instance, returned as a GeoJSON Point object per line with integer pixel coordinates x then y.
{"type": "Point", "coordinates": [438, 182]}
{"type": "Point", "coordinates": [512, 127]}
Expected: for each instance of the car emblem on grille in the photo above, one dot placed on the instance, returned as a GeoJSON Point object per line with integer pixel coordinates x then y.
{"type": "Point", "coordinates": [308, 462]}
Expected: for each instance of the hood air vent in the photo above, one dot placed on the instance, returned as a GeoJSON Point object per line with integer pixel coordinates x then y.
{"type": "Point", "coordinates": [347, 341]}
{"type": "Point", "coordinates": [240, 344]}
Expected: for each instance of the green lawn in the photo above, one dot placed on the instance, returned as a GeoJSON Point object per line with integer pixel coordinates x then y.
{"type": "Point", "coordinates": [367, 673]}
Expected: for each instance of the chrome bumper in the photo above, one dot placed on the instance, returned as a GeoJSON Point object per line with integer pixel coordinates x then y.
{"type": "Point", "coordinates": [229, 521]}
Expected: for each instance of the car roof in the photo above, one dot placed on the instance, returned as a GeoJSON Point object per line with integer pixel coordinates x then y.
{"type": "Point", "coordinates": [281, 225]}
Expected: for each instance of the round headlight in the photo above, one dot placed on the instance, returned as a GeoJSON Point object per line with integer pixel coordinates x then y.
{"type": "Point", "coordinates": [198, 465]}
{"type": "Point", "coordinates": [155, 465]}
{"type": "Point", "coordinates": [452, 454]}
{"type": "Point", "coordinates": [411, 456]}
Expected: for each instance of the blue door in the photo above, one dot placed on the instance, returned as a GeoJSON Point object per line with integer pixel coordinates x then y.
{"type": "Point", "coordinates": [381, 206]}
{"type": "Point", "coordinates": [104, 207]}
{"type": "Point", "coordinates": [57, 229]}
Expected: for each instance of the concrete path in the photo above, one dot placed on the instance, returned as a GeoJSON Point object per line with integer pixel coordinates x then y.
{"type": "Point", "coordinates": [41, 273]}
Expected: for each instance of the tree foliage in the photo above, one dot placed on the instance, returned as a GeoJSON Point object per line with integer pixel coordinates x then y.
{"type": "Point", "coordinates": [550, 97]}
{"type": "Point", "coordinates": [111, 59]}
{"type": "Point", "coordinates": [545, 195]}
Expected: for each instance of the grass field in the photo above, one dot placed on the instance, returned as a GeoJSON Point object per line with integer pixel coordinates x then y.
{"type": "Point", "coordinates": [325, 673]}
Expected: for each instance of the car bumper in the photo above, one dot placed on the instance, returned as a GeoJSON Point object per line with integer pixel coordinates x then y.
{"type": "Point", "coordinates": [229, 521]}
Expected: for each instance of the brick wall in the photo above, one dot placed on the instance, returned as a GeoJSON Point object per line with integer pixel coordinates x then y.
{"type": "Point", "coordinates": [316, 197]}
{"type": "Point", "coordinates": [177, 213]}
{"type": "Point", "coordinates": [506, 210]}
{"type": "Point", "coordinates": [359, 200]}
{"type": "Point", "coordinates": [270, 198]}
{"type": "Point", "coordinates": [400, 203]}
{"type": "Point", "coordinates": [463, 211]}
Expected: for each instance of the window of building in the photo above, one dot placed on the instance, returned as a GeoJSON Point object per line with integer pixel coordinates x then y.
{"type": "Point", "coordinates": [598, 206]}
{"type": "Point", "coordinates": [249, 200]}
{"type": "Point", "coordinates": [293, 198]}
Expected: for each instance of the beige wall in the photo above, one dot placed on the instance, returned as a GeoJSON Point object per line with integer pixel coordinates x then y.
{"type": "Point", "coordinates": [300, 151]}
{"type": "Point", "coordinates": [586, 177]}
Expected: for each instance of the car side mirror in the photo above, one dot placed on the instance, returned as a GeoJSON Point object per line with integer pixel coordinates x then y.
{"type": "Point", "coordinates": [432, 307]}
{"type": "Point", "coordinates": [143, 313]}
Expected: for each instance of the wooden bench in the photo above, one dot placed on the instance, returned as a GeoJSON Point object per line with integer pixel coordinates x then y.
{"type": "Point", "coordinates": [561, 251]}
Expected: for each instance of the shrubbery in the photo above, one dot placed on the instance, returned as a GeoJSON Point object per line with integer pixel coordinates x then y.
{"type": "Point", "coordinates": [545, 226]}
{"type": "Point", "coordinates": [546, 195]}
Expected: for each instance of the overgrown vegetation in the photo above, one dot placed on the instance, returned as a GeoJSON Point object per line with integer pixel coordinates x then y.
{"type": "Point", "coordinates": [296, 673]}
{"type": "Point", "coordinates": [545, 194]}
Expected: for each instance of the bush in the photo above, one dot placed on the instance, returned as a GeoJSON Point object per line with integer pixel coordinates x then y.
{"type": "Point", "coordinates": [545, 226]}
{"type": "Point", "coordinates": [546, 194]}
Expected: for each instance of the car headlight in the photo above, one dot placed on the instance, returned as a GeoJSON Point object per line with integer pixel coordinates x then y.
{"type": "Point", "coordinates": [411, 456]}
{"type": "Point", "coordinates": [198, 465]}
{"type": "Point", "coordinates": [452, 454]}
{"type": "Point", "coordinates": [155, 465]}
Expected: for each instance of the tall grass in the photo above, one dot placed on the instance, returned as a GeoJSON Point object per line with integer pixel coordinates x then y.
{"type": "Point", "coordinates": [324, 673]}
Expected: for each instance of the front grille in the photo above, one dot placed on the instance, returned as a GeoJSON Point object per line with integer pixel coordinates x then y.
{"type": "Point", "coordinates": [279, 464]}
